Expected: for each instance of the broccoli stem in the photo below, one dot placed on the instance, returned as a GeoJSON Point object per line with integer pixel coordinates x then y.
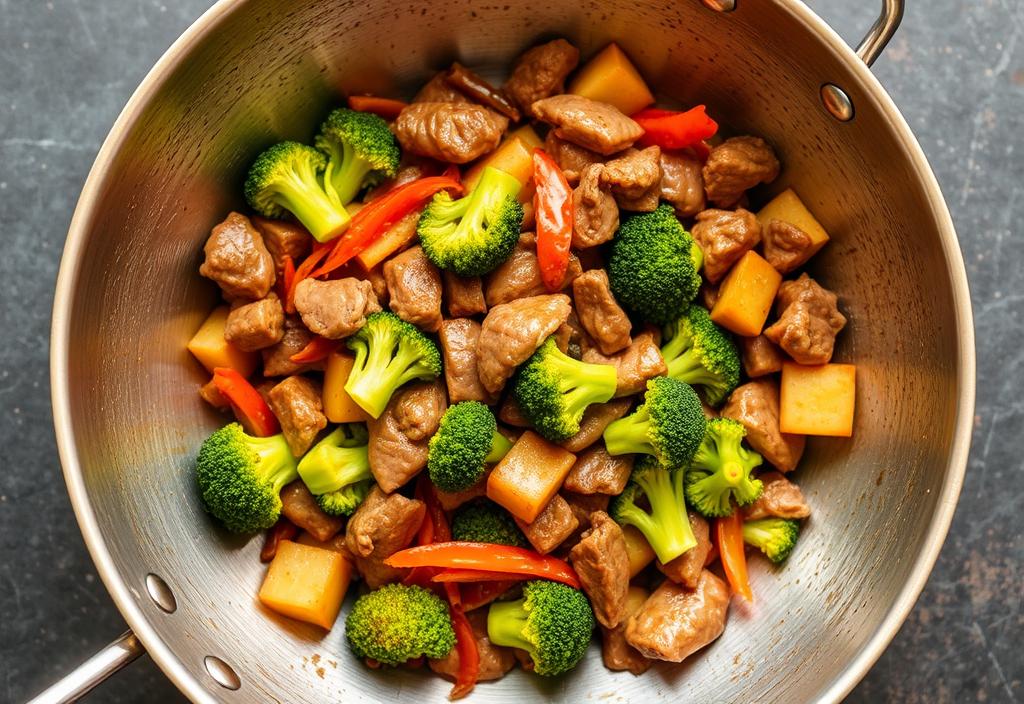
{"type": "Point", "coordinates": [499, 448]}
{"type": "Point", "coordinates": [324, 217]}
{"type": "Point", "coordinates": [277, 465]}
{"type": "Point", "coordinates": [386, 369]}
{"type": "Point", "coordinates": [687, 367]}
{"type": "Point", "coordinates": [506, 621]}
{"type": "Point", "coordinates": [629, 435]}
{"type": "Point", "coordinates": [344, 182]}
{"type": "Point", "coordinates": [672, 535]}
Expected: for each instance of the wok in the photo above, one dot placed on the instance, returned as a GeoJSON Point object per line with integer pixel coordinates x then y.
{"type": "Point", "coordinates": [251, 72]}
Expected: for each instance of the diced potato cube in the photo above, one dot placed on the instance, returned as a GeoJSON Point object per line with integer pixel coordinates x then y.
{"type": "Point", "coordinates": [528, 136]}
{"type": "Point", "coordinates": [635, 598]}
{"type": "Point", "coordinates": [529, 476]}
{"type": "Point", "coordinates": [817, 400]}
{"type": "Point", "coordinates": [788, 207]}
{"type": "Point", "coordinates": [338, 405]}
{"type": "Point", "coordinates": [212, 350]}
{"type": "Point", "coordinates": [610, 77]}
{"type": "Point", "coordinates": [306, 583]}
{"type": "Point", "coordinates": [638, 549]}
{"type": "Point", "coordinates": [746, 295]}
{"type": "Point", "coordinates": [513, 157]}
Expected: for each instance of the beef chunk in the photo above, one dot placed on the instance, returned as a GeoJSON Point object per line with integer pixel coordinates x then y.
{"type": "Point", "coordinates": [257, 325]}
{"type": "Point", "coordinates": [439, 90]}
{"type": "Point", "coordinates": [284, 239]}
{"type": "Point", "coordinates": [809, 321]}
{"type": "Point", "coordinates": [509, 413]}
{"type": "Point", "coordinates": [597, 472]}
{"type": "Point", "coordinates": [596, 418]}
{"type": "Point", "coordinates": [571, 158]}
{"type": "Point", "coordinates": [595, 212]}
{"type": "Point", "coordinates": [513, 331]}
{"type": "Point", "coordinates": [335, 309]}
{"type": "Point", "coordinates": [519, 275]}
{"type": "Point", "coordinates": [459, 340]}
{"type": "Point", "coordinates": [300, 507]}
{"type": "Point", "coordinates": [635, 178]}
{"type": "Point", "coordinates": [277, 359]}
{"type": "Point", "coordinates": [635, 365]}
{"type": "Point", "coordinates": [399, 438]}
{"type": "Point", "coordinates": [760, 356]}
{"type": "Point", "coordinates": [599, 313]}
{"type": "Point", "coordinates": [781, 498]}
{"type": "Point", "coordinates": [451, 500]}
{"type": "Point", "coordinates": [599, 127]}
{"type": "Point", "coordinates": [465, 294]}
{"type": "Point", "coordinates": [735, 165]}
{"type": "Point", "coordinates": [756, 406]}
{"type": "Point", "coordinates": [686, 568]}
{"type": "Point", "coordinates": [786, 246]}
{"type": "Point", "coordinates": [381, 526]}
{"type": "Point", "coordinates": [616, 653]}
{"type": "Point", "coordinates": [554, 524]}
{"type": "Point", "coordinates": [540, 72]}
{"type": "Point", "coordinates": [584, 506]}
{"type": "Point", "coordinates": [495, 660]}
{"type": "Point", "coordinates": [724, 236]}
{"type": "Point", "coordinates": [675, 622]}
{"type": "Point", "coordinates": [602, 563]}
{"type": "Point", "coordinates": [415, 288]}
{"type": "Point", "coordinates": [298, 405]}
{"type": "Point", "coordinates": [238, 260]}
{"type": "Point", "coordinates": [682, 184]}
{"type": "Point", "coordinates": [452, 132]}
{"type": "Point", "coordinates": [212, 395]}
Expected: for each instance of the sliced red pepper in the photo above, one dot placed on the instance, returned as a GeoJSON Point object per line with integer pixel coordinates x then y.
{"type": "Point", "coordinates": [287, 276]}
{"type": "Point", "coordinates": [469, 655]}
{"type": "Point", "coordinates": [729, 536]}
{"type": "Point", "coordinates": [553, 211]}
{"type": "Point", "coordinates": [252, 411]}
{"type": "Point", "coordinates": [317, 349]}
{"type": "Point", "coordinates": [282, 530]}
{"type": "Point", "coordinates": [320, 250]}
{"type": "Point", "coordinates": [485, 556]}
{"type": "Point", "coordinates": [675, 130]}
{"type": "Point", "coordinates": [388, 108]}
{"type": "Point", "coordinates": [468, 576]}
{"type": "Point", "coordinates": [373, 219]}
{"type": "Point", "coordinates": [477, 594]}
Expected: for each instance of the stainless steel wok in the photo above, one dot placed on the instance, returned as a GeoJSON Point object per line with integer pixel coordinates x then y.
{"type": "Point", "coordinates": [250, 72]}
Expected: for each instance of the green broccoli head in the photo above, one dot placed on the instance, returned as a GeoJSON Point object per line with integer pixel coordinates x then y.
{"type": "Point", "coordinates": [286, 177]}
{"type": "Point", "coordinates": [389, 353]}
{"type": "Point", "coordinates": [473, 234]}
{"type": "Point", "coordinates": [654, 265]}
{"type": "Point", "coordinates": [553, 390]}
{"type": "Point", "coordinates": [360, 150]}
{"type": "Point", "coordinates": [666, 525]}
{"type": "Point", "coordinates": [720, 471]}
{"type": "Point", "coordinates": [240, 477]}
{"type": "Point", "coordinates": [467, 439]}
{"type": "Point", "coordinates": [669, 425]}
{"type": "Point", "coordinates": [702, 354]}
{"type": "Point", "coordinates": [552, 622]}
{"type": "Point", "coordinates": [337, 470]}
{"type": "Point", "coordinates": [775, 537]}
{"type": "Point", "coordinates": [486, 522]}
{"type": "Point", "coordinates": [398, 623]}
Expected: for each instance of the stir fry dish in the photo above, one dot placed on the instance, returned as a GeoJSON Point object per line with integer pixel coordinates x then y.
{"type": "Point", "coordinates": [514, 365]}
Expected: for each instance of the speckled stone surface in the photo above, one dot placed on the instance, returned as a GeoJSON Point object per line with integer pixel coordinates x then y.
{"type": "Point", "coordinates": [956, 69]}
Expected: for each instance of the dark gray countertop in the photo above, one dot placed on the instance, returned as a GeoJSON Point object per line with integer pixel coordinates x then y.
{"type": "Point", "coordinates": [956, 70]}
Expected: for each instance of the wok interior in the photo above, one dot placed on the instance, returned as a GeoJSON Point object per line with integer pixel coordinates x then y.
{"type": "Point", "coordinates": [269, 70]}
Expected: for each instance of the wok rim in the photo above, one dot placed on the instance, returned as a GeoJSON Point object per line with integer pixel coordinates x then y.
{"type": "Point", "coordinates": [87, 210]}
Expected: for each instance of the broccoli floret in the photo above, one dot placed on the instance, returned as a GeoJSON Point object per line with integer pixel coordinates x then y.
{"type": "Point", "coordinates": [666, 526]}
{"type": "Point", "coordinates": [398, 623]}
{"type": "Point", "coordinates": [553, 390]}
{"type": "Point", "coordinates": [240, 477]}
{"type": "Point", "coordinates": [360, 150]}
{"type": "Point", "coordinates": [721, 470]}
{"type": "Point", "coordinates": [286, 177]}
{"type": "Point", "coordinates": [486, 522]}
{"type": "Point", "coordinates": [654, 266]}
{"type": "Point", "coordinates": [668, 425]}
{"type": "Point", "coordinates": [337, 470]}
{"type": "Point", "coordinates": [552, 622]}
{"type": "Point", "coordinates": [775, 537]}
{"type": "Point", "coordinates": [702, 354]}
{"type": "Point", "coordinates": [475, 233]}
{"type": "Point", "coordinates": [389, 353]}
{"type": "Point", "coordinates": [466, 440]}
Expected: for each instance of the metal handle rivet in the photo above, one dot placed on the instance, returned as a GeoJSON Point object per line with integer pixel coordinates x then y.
{"type": "Point", "coordinates": [221, 672]}
{"type": "Point", "coordinates": [160, 593]}
{"type": "Point", "coordinates": [720, 5]}
{"type": "Point", "coordinates": [837, 102]}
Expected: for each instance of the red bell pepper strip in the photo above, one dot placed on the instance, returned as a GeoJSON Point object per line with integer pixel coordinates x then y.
{"type": "Point", "coordinates": [469, 656]}
{"type": "Point", "coordinates": [287, 277]}
{"type": "Point", "coordinates": [282, 530]}
{"type": "Point", "coordinates": [553, 211]}
{"type": "Point", "coordinates": [375, 218]}
{"type": "Point", "coordinates": [477, 594]}
{"type": "Point", "coordinates": [729, 536]}
{"type": "Point", "coordinates": [317, 349]}
{"type": "Point", "coordinates": [675, 130]}
{"type": "Point", "coordinates": [320, 250]}
{"type": "Point", "coordinates": [469, 576]}
{"type": "Point", "coordinates": [388, 108]}
{"type": "Point", "coordinates": [485, 556]}
{"type": "Point", "coordinates": [252, 411]}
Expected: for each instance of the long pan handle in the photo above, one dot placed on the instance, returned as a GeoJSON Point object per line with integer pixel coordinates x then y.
{"type": "Point", "coordinates": [80, 681]}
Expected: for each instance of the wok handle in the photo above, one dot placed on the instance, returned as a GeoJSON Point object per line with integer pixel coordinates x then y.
{"type": "Point", "coordinates": [80, 681]}
{"type": "Point", "coordinates": [871, 46]}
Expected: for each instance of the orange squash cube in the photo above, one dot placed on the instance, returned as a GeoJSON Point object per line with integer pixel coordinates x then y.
{"type": "Point", "coordinates": [817, 400]}
{"type": "Point", "coordinates": [338, 405]}
{"type": "Point", "coordinates": [788, 207]}
{"type": "Point", "coordinates": [212, 350]}
{"type": "Point", "coordinates": [610, 77]}
{"type": "Point", "coordinates": [529, 476]}
{"type": "Point", "coordinates": [306, 583]}
{"type": "Point", "coordinates": [746, 295]}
